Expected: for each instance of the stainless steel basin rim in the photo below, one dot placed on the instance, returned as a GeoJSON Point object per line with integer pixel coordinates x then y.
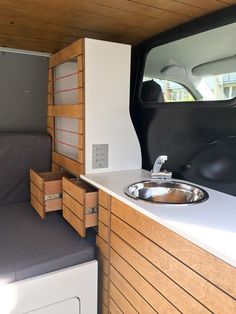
{"type": "Point", "coordinates": [166, 192]}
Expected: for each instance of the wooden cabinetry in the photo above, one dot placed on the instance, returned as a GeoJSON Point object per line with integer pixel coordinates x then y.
{"type": "Point", "coordinates": [46, 191]}
{"type": "Point", "coordinates": [153, 270]}
{"type": "Point", "coordinates": [79, 204]}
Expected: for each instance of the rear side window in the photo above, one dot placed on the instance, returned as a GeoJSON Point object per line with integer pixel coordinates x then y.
{"type": "Point", "coordinates": [201, 67]}
{"type": "Point", "coordinates": [172, 91]}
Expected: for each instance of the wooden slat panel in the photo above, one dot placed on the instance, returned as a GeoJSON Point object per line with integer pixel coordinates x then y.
{"type": "Point", "coordinates": [104, 199]}
{"type": "Point", "coordinates": [68, 164]}
{"type": "Point", "coordinates": [66, 54]}
{"type": "Point", "coordinates": [210, 267]}
{"type": "Point", "coordinates": [38, 194]}
{"type": "Point", "coordinates": [65, 111]}
{"type": "Point", "coordinates": [103, 231]}
{"type": "Point", "coordinates": [209, 295]}
{"type": "Point", "coordinates": [175, 294]}
{"type": "Point", "coordinates": [103, 247]}
{"type": "Point", "coordinates": [71, 188]}
{"type": "Point", "coordinates": [36, 179]}
{"type": "Point", "coordinates": [130, 293]}
{"type": "Point", "coordinates": [103, 215]}
{"type": "Point", "coordinates": [74, 221]}
{"type": "Point", "coordinates": [91, 199]}
{"type": "Point", "coordinates": [81, 156]}
{"type": "Point", "coordinates": [37, 206]}
{"type": "Point", "coordinates": [149, 293]}
{"type": "Point", "coordinates": [73, 205]}
{"type": "Point", "coordinates": [121, 301]}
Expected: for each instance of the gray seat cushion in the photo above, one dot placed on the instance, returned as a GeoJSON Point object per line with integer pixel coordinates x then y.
{"type": "Point", "coordinates": [30, 246]}
{"type": "Point", "coordinates": [18, 153]}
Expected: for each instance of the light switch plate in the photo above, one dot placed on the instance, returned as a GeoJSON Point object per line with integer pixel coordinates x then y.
{"type": "Point", "coordinates": [99, 156]}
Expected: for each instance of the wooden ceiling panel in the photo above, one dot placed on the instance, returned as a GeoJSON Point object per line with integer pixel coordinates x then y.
{"type": "Point", "coordinates": [53, 24]}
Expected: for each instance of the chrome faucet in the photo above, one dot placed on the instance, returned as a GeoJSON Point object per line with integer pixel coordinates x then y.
{"type": "Point", "coordinates": [156, 172]}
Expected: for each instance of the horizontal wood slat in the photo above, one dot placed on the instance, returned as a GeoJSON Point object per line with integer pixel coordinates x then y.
{"type": "Point", "coordinates": [118, 298]}
{"type": "Point", "coordinates": [68, 164]}
{"type": "Point", "coordinates": [103, 231]}
{"type": "Point", "coordinates": [38, 194]}
{"type": "Point", "coordinates": [169, 289]}
{"type": "Point", "coordinates": [37, 206]}
{"type": "Point", "coordinates": [136, 299]}
{"type": "Point", "coordinates": [196, 285]}
{"type": "Point", "coordinates": [73, 50]}
{"type": "Point", "coordinates": [72, 189]}
{"type": "Point", "coordinates": [65, 111]}
{"type": "Point", "coordinates": [103, 216]}
{"type": "Point", "coordinates": [149, 293]}
{"type": "Point", "coordinates": [104, 199]}
{"type": "Point", "coordinates": [36, 179]}
{"type": "Point", "coordinates": [103, 247]}
{"type": "Point", "coordinates": [205, 264]}
{"type": "Point", "coordinates": [114, 309]}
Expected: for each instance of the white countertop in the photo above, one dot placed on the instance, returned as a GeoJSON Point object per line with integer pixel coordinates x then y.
{"type": "Point", "coordinates": [211, 224]}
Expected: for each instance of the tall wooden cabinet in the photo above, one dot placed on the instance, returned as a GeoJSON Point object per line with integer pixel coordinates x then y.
{"type": "Point", "coordinates": [146, 268]}
{"type": "Point", "coordinates": [88, 104]}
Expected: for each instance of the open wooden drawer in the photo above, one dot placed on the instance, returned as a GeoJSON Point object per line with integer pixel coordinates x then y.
{"type": "Point", "coordinates": [46, 191]}
{"type": "Point", "coordinates": [80, 202]}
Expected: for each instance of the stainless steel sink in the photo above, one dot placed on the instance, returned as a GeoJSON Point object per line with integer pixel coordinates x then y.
{"type": "Point", "coordinates": [166, 191]}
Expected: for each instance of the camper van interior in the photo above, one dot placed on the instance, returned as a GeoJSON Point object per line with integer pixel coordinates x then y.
{"type": "Point", "coordinates": [117, 156]}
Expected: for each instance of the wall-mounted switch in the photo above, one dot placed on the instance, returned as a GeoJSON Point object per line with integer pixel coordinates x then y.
{"type": "Point", "coordinates": [99, 156]}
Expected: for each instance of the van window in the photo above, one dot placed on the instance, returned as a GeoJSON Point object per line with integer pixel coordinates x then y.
{"type": "Point", "coordinates": [193, 68]}
{"type": "Point", "coordinates": [172, 91]}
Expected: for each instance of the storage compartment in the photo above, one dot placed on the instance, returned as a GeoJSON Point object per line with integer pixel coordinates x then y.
{"type": "Point", "coordinates": [80, 202]}
{"type": "Point", "coordinates": [46, 191]}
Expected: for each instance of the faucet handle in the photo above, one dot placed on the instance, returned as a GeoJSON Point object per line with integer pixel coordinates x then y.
{"type": "Point", "coordinates": [162, 158]}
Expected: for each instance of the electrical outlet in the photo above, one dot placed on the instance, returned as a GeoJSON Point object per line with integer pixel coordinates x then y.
{"type": "Point", "coordinates": [99, 156]}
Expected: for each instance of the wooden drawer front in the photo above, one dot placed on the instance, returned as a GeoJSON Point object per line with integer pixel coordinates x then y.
{"type": "Point", "coordinates": [37, 193]}
{"type": "Point", "coordinates": [74, 221]}
{"type": "Point", "coordinates": [36, 179]}
{"type": "Point", "coordinates": [104, 199]}
{"type": "Point", "coordinates": [72, 197]}
{"type": "Point", "coordinates": [37, 206]}
{"type": "Point", "coordinates": [81, 192]}
{"type": "Point", "coordinates": [74, 206]}
{"type": "Point", "coordinates": [103, 215]}
{"type": "Point", "coordinates": [152, 253]}
{"type": "Point", "coordinates": [46, 188]}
